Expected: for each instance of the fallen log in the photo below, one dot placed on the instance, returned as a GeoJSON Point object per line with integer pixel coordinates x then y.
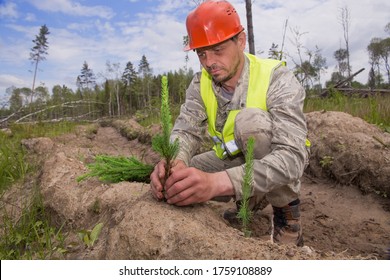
{"type": "Point", "coordinates": [363, 92]}
{"type": "Point", "coordinates": [341, 83]}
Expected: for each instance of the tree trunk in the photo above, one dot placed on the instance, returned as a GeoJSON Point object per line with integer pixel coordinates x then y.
{"type": "Point", "coordinates": [33, 84]}
{"type": "Point", "coordinates": [117, 98]}
{"type": "Point", "coordinates": [251, 37]}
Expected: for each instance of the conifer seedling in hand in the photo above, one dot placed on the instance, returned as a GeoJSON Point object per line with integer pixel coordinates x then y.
{"type": "Point", "coordinates": [161, 143]}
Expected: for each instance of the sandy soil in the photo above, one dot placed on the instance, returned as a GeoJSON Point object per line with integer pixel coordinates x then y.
{"type": "Point", "coordinates": [343, 216]}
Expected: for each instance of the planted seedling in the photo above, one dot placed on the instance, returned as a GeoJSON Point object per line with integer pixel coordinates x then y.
{"type": "Point", "coordinates": [161, 143]}
{"type": "Point", "coordinates": [116, 169]}
{"type": "Point", "coordinates": [245, 213]}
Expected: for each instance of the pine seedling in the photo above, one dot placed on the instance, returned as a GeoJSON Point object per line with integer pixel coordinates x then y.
{"type": "Point", "coordinates": [245, 214]}
{"type": "Point", "coordinates": [117, 169]}
{"type": "Point", "coordinates": [161, 143]}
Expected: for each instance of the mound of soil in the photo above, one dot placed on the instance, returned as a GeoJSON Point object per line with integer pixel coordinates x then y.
{"type": "Point", "coordinates": [339, 220]}
{"type": "Point", "coordinates": [350, 151]}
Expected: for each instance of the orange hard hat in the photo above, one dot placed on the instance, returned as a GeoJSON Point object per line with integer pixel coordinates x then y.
{"type": "Point", "coordinates": [212, 22]}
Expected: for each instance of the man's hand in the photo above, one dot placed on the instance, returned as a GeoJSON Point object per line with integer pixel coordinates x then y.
{"type": "Point", "coordinates": [157, 178]}
{"type": "Point", "coordinates": [189, 185]}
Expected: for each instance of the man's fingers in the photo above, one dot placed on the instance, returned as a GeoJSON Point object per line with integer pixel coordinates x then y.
{"type": "Point", "coordinates": [157, 180]}
{"type": "Point", "coordinates": [161, 170]}
{"type": "Point", "coordinates": [182, 198]}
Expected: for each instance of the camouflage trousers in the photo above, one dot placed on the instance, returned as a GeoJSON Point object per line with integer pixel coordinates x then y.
{"type": "Point", "coordinates": [250, 122]}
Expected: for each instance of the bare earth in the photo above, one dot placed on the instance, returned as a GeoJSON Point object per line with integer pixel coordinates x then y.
{"type": "Point", "coordinates": [345, 211]}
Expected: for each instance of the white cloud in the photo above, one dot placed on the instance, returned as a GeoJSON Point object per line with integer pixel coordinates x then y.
{"type": "Point", "coordinates": [17, 80]}
{"type": "Point", "coordinates": [104, 27]}
{"type": "Point", "coordinates": [172, 6]}
{"type": "Point", "coordinates": [8, 10]}
{"type": "Point", "coordinates": [127, 29]}
{"type": "Point", "coordinates": [70, 7]}
{"type": "Point", "coordinates": [30, 17]}
{"type": "Point", "coordinates": [10, 80]}
{"type": "Point", "coordinates": [15, 51]}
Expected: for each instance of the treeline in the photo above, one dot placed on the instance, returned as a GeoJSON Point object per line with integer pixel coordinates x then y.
{"type": "Point", "coordinates": [122, 93]}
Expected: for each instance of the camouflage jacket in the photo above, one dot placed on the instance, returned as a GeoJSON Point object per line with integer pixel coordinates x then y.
{"type": "Point", "coordinates": [285, 97]}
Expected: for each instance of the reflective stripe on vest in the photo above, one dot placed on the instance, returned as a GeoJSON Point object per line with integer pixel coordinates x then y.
{"type": "Point", "coordinates": [260, 72]}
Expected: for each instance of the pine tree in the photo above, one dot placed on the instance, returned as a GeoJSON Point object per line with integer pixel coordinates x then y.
{"type": "Point", "coordinates": [144, 68]}
{"type": "Point", "coordinates": [38, 53]}
{"type": "Point", "coordinates": [129, 74]}
{"type": "Point", "coordinates": [129, 78]}
{"type": "Point", "coordinates": [145, 73]}
{"type": "Point", "coordinates": [87, 79]}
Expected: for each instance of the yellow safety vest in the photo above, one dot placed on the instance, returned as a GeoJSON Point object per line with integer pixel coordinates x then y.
{"type": "Point", "coordinates": [260, 72]}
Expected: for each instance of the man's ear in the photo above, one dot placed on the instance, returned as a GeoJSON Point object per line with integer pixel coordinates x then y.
{"type": "Point", "coordinates": [242, 40]}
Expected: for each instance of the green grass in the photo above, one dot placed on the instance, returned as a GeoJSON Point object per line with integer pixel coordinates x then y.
{"type": "Point", "coordinates": [374, 110]}
{"type": "Point", "coordinates": [29, 235]}
{"type": "Point", "coordinates": [43, 129]}
{"type": "Point", "coordinates": [26, 233]}
{"type": "Point", "coordinates": [155, 116]}
{"type": "Point", "coordinates": [13, 165]}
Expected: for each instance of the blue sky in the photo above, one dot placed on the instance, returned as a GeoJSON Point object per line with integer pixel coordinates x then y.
{"type": "Point", "coordinates": [119, 31]}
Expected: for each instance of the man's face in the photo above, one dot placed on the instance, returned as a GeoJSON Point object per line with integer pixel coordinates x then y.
{"type": "Point", "coordinates": [222, 60]}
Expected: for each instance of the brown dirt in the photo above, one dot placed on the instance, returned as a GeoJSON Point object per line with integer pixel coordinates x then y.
{"type": "Point", "coordinates": [345, 213]}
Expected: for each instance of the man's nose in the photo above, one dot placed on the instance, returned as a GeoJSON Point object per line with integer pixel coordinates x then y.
{"type": "Point", "coordinates": [209, 59]}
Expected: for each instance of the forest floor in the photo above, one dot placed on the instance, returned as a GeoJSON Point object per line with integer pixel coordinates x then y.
{"type": "Point", "coordinates": [340, 220]}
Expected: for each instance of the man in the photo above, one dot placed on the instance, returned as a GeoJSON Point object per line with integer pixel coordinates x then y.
{"type": "Point", "coordinates": [234, 97]}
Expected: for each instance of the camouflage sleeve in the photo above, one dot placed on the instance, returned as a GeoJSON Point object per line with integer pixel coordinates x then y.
{"type": "Point", "coordinates": [286, 163]}
{"type": "Point", "coordinates": [191, 124]}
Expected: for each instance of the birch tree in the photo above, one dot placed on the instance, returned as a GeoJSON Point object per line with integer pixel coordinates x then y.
{"type": "Point", "coordinates": [345, 20]}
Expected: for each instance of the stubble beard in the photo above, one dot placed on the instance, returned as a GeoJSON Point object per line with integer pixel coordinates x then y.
{"type": "Point", "coordinates": [224, 78]}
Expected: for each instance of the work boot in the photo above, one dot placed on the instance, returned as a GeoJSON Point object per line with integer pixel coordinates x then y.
{"type": "Point", "coordinates": [231, 215]}
{"type": "Point", "coordinates": [255, 205]}
{"type": "Point", "coordinates": [287, 224]}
